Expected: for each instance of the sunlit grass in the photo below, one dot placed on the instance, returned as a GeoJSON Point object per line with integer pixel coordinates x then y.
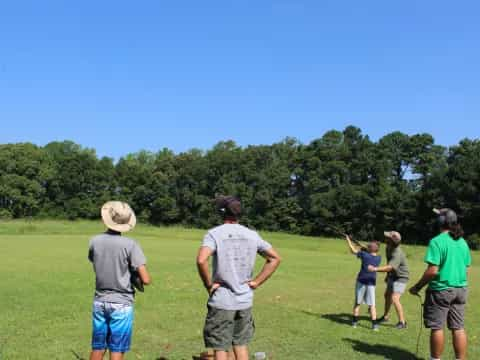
{"type": "Point", "coordinates": [47, 290]}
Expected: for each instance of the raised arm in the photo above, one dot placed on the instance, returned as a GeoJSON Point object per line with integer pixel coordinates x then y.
{"type": "Point", "coordinates": [352, 247]}
{"type": "Point", "coordinates": [272, 261]}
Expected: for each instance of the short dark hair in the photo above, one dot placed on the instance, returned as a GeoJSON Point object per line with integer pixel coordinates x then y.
{"type": "Point", "coordinates": [228, 206]}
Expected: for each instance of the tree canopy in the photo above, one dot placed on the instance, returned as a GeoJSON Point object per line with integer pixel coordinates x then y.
{"type": "Point", "coordinates": [340, 181]}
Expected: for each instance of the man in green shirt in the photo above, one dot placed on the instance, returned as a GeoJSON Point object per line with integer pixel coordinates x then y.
{"type": "Point", "coordinates": [448, 259]}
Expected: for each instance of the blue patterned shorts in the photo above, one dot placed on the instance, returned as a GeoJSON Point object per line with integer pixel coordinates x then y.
{"type": "Point", "coordinates": [112, 326]}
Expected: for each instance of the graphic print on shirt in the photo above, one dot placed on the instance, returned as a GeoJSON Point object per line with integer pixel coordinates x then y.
{"type": "Point", "coordinates": [238, 253]}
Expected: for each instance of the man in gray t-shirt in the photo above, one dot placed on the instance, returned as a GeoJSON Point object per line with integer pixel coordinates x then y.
{"type": "Point", "coordinates": [115, 259]}
{"type": "Point", "coordinates": [233, 248]}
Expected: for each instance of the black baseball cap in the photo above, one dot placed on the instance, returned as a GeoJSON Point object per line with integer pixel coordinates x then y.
{"type": "Point", "coordinates": [229, 205]}
{"type": "Point", "coordinates": [449, 216]}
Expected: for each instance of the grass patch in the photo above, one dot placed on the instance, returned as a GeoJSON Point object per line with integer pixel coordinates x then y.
{"type": "Point", "coordinates": [302, 313]}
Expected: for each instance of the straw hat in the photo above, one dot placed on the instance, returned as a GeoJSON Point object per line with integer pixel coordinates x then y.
{"type": "Point", "coordinates": [118, 216]}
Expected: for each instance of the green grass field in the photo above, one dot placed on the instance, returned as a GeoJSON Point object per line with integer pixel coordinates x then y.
{"type": "Point", "coordinates": [301, 313]}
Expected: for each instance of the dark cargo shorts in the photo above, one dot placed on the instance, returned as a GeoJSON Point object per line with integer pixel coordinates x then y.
{"type": "Point", "coordinates": [446, 306]}
{"type": "Point", "coordinates": [227, 328]}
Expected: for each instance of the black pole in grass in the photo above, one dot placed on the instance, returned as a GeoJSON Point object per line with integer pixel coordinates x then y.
{"type": "Point", "coordinates": [78, 357]}
{"type": "Point", "coordinates": [421, 324]}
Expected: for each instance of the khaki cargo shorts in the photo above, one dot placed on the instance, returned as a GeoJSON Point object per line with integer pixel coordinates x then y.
{"type": "Point", "coordinates": [446, 306]}
{"type": "Point", "coordinates": [226, 328]}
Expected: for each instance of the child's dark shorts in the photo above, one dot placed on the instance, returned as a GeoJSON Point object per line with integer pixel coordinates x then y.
{"type": "Point", "coordinates": [226, 328]}
{"type": "Point", "coordinates": [446, 306]}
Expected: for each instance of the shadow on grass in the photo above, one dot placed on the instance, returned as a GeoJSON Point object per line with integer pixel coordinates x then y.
{"type": "Point", "coordinates": [343, 319]}
{"type": "Point", "coordinates": [386, 351]}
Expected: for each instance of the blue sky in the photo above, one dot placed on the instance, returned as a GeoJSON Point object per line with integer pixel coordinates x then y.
{"type": "Point", "coordinates": [123, 76]}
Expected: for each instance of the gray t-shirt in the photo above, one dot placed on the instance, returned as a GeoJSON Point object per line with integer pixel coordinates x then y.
{"type": "Point", "coordinates": [396, 258]}
{"type": "Point", "coordinates": [235, 249]}
{"type": "Point", "coordinates": [112, 257]}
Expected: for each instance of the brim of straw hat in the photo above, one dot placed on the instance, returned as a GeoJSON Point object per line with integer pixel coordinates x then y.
{"type": "Point", "coordinates": [111, 224]}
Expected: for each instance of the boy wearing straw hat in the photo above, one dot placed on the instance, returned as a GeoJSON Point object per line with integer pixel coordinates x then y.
{"type": "Point", "coordinates": [234, 248]}
{"type": "Point", "coordinates": [114, 258]}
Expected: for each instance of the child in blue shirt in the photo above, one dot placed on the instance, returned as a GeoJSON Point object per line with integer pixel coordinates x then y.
{"type": "Point", "coordinates": [366, 281]}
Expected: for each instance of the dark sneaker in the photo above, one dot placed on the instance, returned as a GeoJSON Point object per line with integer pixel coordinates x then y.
{"type": "Point", "coordinates": [375, 327]}
{"type": "Point", "coordinates": [401, 325]}
{"type": "Point", "coordinates": [354, 324]}
{"type": "Point", "coordinates": [382, 320]}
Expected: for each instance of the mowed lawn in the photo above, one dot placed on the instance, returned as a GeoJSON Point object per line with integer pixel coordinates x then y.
{"type": "Point", "coordinates": [301, 313]}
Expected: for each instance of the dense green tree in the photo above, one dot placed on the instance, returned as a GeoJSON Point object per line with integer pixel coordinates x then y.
{"type": "Point", "coordinates": [462, 183]}
{"type": "Point", "coordinates": [341, 181]}
{"type": "Point", "coordinates": [24, 170]}
{"type": "Point", "coordinates": [82, 182]}
{"type": "Point", "coordinates": [192, 189]}
{"type": "Point", "coordinates": [134, 173]}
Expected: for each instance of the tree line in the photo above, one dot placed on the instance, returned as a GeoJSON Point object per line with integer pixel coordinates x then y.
{"type": "Point", "coordinates": [342, 181]}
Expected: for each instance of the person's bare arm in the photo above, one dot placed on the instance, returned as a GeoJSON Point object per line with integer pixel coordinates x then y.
{"type": "Point", "coordinates": [272, 261]}
{"type": "Point", "coordinates": [203, 270]}
{"type": "Point", "coordinates": [392, 265]}
{"type": "Point", "coordinates": [352, 247]}
{"type": "Point", "coordinates": [385, 269]}
{"type": "Point", "coordinates": [428, 275]}
{"type": "Point", "coordinates": [144, 275]}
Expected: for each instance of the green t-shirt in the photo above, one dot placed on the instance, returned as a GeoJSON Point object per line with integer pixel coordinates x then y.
{"type": "Point", "coordinates": [452, 258]}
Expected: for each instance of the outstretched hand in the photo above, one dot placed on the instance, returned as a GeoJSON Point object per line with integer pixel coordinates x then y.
{"type": "Point", "coordinates": [414, 290]}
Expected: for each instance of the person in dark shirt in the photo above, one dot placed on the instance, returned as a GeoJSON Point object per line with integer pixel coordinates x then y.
{"type": "Point", "coordinates": [366, 281]}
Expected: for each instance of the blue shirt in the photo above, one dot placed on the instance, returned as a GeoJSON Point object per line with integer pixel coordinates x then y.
{"type": "Point", "coordinates": [364, 276]}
